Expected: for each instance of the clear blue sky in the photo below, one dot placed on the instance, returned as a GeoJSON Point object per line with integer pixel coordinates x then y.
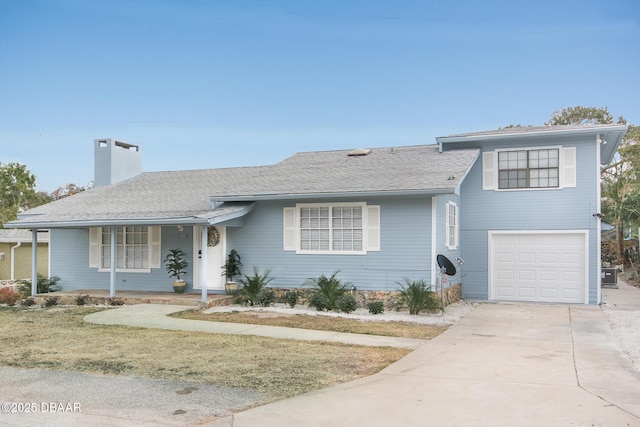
{"type": "Point", "coordinates": [206, 83]}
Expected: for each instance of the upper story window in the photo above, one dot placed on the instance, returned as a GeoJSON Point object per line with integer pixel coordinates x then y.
{"type": "Point", "coordinates": [529, 169]}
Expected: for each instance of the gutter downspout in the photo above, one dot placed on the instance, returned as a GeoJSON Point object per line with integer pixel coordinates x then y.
{"type": "Point", "coordinates": [13, 260]}
{"type": "Point", "coordinates": [34, 261]}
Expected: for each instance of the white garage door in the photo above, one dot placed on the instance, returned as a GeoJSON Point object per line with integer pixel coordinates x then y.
{"type": "Point", "coordinates": [538, 266]}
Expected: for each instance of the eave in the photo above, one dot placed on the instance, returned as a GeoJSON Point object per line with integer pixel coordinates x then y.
{"type": "Point", "coordinates": [497, 135]}
{"type": "Point", "coordinates": [207, 218]}
{"type": "Point", "coordinates": [332, 195]}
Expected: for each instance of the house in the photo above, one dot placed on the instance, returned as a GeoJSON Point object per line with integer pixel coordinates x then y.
{"type": "Point", "coordinates": [519, 205]}
{"type": "Point", "coordinates": [16, 253]}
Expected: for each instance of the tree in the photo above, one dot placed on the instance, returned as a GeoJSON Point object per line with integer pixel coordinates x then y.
{"type": "Point", "coordinates": [17, 191]}
{"type": "Point", "coordinates": [620, 178]}
{"type": "Point", "coordinates": [69, 189]}
{"type": "Point", "coordinates": [582, 116]}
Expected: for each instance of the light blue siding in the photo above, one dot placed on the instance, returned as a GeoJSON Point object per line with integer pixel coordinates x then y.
{"type": "Point", "coordinates": [70, 262]}
{"type": "Point", "coordinates": [405, 240]}
{"type": "Point", "coordinates": [552, 209]}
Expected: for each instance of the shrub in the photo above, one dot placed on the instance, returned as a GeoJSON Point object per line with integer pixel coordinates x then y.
{"type": "Point", "coordinates": [417, 296]}
{"type": "Point", "coordinates": [291, 298]}
{"type": "Point", "coordinates": [82, 299]}
{"type": "Point", "coordinates": [9, 296]}
{"type": "Point", "coordinates": [44, 285]}
{"type": "Point", "coordinates": [375, 307]}
{"type": "Point", "coordinates": [115, 301]}
{"type": "Point", "coordinates": [319, 301]}
{"type": "Point", "coordinates": [27, 302]}
{"type": "Point", "coordinates": [265, 297]}
{"type": "Point", "coordinates": [252, 285]}
{"type": "Point", "coordinates": [347, 303]}
{"type": "Point", "coordinates": [330, 287]}
{"type": "Point", "coordinates": [51, 301]}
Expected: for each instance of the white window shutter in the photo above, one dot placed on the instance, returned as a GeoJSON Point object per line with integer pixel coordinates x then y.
{"type": "Point", "coordinates": [569, 167]}
{"type": "Point", "coordinates": [373, 228]}
{"type": "Point", "coordinates": [155, 247]}
{"type": "Point", "coordinates": [95, 234]}
{"type": "Point", "coordinates": [289, 229]}
{"type": "Point", "coordinates": [488, 170]}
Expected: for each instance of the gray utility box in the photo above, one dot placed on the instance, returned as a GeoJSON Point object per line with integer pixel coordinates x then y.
{"type": "Point", "coordinates": [609, 277]}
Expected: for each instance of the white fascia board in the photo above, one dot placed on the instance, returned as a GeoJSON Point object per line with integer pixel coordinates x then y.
{"type": "Point", "coordinates": [345, 195]}
{"type": "Point", "coordinates": [110, 222]}
{"type": "Point", "coordinates": [512, 135]}
{"type": "Point", "coordinates": [106, 222]}
{"type": "Point", "coordinates": [229, 216]}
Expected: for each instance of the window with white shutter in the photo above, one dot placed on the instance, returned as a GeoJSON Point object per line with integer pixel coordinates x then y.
{"type": "Point", "coordinates": [529, 169]}
{"type": "Point", "coordinates": [137, 248]}
{"type": "Point", "coordinates": [337, 228]}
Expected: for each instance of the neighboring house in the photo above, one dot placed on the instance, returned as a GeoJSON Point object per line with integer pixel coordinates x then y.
{"type": "Point", "coordinates": [519, 205]}
{"type": "Point", "coordinates": [16, 254]}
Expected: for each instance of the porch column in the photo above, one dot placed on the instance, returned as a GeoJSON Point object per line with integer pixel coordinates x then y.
{"type": "Point", "coordinates": [203, 264]}
{"type": "Point", "coordinates": [112, 274]}
{"type": "Point", "coordinates": [34, 261]}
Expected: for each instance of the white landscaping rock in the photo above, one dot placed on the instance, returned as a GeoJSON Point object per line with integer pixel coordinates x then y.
{"type": "Point", "coordinates": [452, 313]}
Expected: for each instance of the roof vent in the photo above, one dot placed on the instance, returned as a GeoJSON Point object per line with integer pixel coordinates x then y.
{"type": "Point", "coordinates": [359, 152]}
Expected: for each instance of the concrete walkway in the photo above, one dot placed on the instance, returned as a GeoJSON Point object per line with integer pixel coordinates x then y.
{"type": "Point", "coordinates": [155, 316]}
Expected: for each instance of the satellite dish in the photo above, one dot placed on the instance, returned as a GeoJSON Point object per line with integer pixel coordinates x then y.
{"type": "Point", "coordinates": [444, 262]}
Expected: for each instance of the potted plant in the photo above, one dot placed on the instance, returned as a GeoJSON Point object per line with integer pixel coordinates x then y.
{"type": "Point", "coordinates": [230, 269]}
{"type": "Point", "coordinates": [176, 265]}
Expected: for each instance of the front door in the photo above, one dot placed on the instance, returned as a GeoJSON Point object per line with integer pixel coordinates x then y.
{"type": "Point", "coordinates": [216, 252]}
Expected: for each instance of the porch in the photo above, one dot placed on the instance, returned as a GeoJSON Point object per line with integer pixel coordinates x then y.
{"type": "Point", "coordinates": [99, 297]}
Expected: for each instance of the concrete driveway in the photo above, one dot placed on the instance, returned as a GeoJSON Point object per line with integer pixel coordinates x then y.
{"type": "Point", "coordinates": [502, 365]}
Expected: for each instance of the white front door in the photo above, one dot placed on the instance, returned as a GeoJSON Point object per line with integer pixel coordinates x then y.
{"type": "Point", "coordinates": [216, 253]}
{"type": "Point", "coordinates": [538, 266]}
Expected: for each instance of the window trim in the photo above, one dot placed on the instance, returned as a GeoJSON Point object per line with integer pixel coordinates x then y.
{"type": "Point", "coordinates": [370, 228]}
{"type": "Point", "coordinates": [103, 247]}
{"type": "Point", "coordinates": [300, 206]}
{"type": "Point", "coordinates": [456, 225]}
{"type": "Point", "coordinates": [561, 167]}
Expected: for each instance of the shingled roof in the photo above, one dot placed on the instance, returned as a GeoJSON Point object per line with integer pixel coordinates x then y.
{"type": "Point", "coordinates": [188, 196]}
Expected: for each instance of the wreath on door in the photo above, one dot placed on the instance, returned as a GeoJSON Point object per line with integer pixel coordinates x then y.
{"type": "Point", "coordinates": [213, 236]}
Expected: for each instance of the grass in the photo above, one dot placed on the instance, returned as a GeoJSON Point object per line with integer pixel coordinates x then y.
{"type": "Point", "coordinates": [58, 338]}
{"type": "Point", "coordinates": [323, 323]}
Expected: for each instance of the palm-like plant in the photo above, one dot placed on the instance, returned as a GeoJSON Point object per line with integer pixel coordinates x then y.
{"type": "Point", "coordinates": [175, 263]}
{"type": "Point", "coordinates": [331, 287]}
{"type": "Point", "coordinates": [417, 295]}
{"type": "Point", "coordinates": [253, 285]}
